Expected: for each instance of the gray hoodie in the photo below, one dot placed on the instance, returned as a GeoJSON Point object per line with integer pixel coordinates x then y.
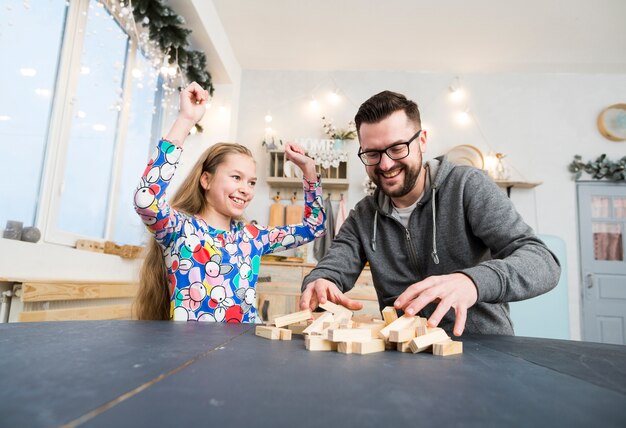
{"type": "Point", "coordinates": [463, 223]}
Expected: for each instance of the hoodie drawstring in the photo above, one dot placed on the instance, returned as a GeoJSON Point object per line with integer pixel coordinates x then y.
{"type": "Point", "coordinates": [434, 254]}
{"type": "Point", "coordinates": [374, 234]}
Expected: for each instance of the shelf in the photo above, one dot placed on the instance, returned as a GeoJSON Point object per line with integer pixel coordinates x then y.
{"type": "Point", "coordinates": [327, 183]}
{"type": "Point", "coordinates": [508, 185]}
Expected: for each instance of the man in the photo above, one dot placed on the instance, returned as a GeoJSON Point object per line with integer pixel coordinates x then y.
{"type": "Point", "coordinates": [443, 241]}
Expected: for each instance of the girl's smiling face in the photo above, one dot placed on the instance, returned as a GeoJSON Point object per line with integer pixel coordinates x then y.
{"type": "Point", "coordinates": [229, 190]}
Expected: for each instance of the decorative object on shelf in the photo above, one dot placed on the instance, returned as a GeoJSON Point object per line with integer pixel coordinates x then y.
{"type": "Point", "coordinates": [333, 133]}
{"type": "Point", "coordinates": [612, 122]}
{"type": "Point", "coordinates": [465, 154]}
{"type": "Point", "coordinates": [13, 230]}
{"type": "Point", "coordinates": [328, 158]}
{"type": "Point", "coordinates": [601, 168]}
{"type": "Point", "coordinates": [368, 186]}
{"type": "Point", "coordinates": [31, 234]}
{"type": "Point", "coordinates": [270, 144]}
{"type": "Point", "coordinates": [501, 171]}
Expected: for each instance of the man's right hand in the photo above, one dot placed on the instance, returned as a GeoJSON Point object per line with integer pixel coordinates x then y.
{"type": "Point", "coordinates": [322, 290]}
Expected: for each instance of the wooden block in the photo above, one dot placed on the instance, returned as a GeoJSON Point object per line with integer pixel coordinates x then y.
{"type": "Point", "coordinates": [345, 347]}
{"type": "Point", "coordinates": [297, 328]}
{"type": "Point", "coordinates": [292, 318]}
{"type": "Point", "coordinates": [370, 347]}
{"type": "Point", "coordinates": [285, 334]}
{"type": "Point", "coordinates": [334, 308]}
{"type": "Point", "coordinates": [401, 323]}
{"type": "Point", "coordinates": [421, 330]}
{"type": "Point", "coordinates": [404, 335]}
{"type": "Point", "coordinates": [349, 335]}
{"type": "Point", "coordinates": [389, 315]}
{"type": "Point", "coordinates": [318, 325]}
{"type": "Point", "coordinates": [374, 328]}
{"type": "Point", "coordinates": [448, 347]}
{"type": "Point", "coordinates": [422, 343]}
{"type": "Point", "coordinates": [268, 332]}
{"type": "Point", "coordinates": [403, 346]}
{"type": "Point", "coordinates": [314, 343]}
{"type": "Point", "coordinates": [366, 319]}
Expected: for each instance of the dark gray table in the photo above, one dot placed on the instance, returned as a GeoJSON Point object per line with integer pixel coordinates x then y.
{"type": "Point", "coordinates": [131, 373]}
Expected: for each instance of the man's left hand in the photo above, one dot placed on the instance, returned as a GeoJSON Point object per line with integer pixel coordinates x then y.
{"type": "Point", "coordinates": [451, 291]}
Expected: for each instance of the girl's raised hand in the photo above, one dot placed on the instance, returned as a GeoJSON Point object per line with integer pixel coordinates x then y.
{"type": "Point", "coordinates": [193, 101]}
{"type": "Point", "coordinates": [295, 153]}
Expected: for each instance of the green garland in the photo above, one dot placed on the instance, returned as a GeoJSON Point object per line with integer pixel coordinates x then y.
{"type": "Point", "coordinates": [600, 168]}
{"type": "Point", "coordinates": [166, 28]}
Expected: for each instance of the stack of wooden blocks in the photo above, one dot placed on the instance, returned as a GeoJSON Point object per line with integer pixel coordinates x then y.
{"type": "Point", "coordinates": [338, 330]}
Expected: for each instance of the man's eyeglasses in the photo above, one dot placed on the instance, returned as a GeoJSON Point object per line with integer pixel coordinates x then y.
{"type": "Point", "coordinates": [396, 151]}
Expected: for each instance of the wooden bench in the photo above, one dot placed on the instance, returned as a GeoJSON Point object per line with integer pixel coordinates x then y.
{"type": "Point", "coordinates": [85, 300]}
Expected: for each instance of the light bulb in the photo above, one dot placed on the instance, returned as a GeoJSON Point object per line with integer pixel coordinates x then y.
{"type": "Point", "coordinates": [456, 94]}
{"type": "Point", "coordinates": [463, 117]}
{"type": "Point", "coordinates": [333, 97]}
{"type": "Point", "coordinates": [268, 118]}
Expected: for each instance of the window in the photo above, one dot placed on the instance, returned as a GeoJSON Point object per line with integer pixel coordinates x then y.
{"type": "Point", "coordinates": [27, 81]}
{"type": "Point", "coordinates": [78, 130]}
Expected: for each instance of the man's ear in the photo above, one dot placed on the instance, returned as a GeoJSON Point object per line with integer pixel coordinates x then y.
{"type": "Point", "coordinates": [205, 180]}
{"type": "Point", "coordinates": [423, 139]}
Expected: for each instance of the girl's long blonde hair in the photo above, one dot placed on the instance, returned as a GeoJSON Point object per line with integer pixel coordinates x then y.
{"type": "Point", "coordinates": [153, 297]}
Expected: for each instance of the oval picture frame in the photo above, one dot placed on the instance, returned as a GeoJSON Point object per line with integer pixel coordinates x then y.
{"type": "Point", "coordinates": [612, 122]}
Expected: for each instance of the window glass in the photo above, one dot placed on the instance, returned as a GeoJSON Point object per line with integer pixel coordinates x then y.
{"type": "Point", "coordinates": [128, 227]}
{"type": "Point", "coordinates": [95, 110]}
{"type": "Point", "coordinates": [27, 80]}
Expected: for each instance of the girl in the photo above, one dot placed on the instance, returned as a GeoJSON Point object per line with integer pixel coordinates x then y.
{"type": "Point", "coordinates": [204, 260]}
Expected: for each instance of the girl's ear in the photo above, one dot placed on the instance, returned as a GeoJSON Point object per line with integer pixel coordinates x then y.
{"type": "Point", "coordinates": [205, 180]}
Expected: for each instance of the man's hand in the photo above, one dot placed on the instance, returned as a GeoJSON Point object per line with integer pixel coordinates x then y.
{"type": "Point", "coordinates": [320, 291]}
{"type": "Point", "coordinates": [451, 291]}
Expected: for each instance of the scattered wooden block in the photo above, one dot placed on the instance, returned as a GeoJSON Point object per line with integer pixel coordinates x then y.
{"type": "Point", "coordinates": [285, 333]}
{"type": "Point", "coordinates": [314, 343]}
{"type": "Point", "coordinates": [449, 347]}
{"type": "Point", "coordinates": [366, 319]}
{"type": "Point", "coordinates": [318, 325]}
{"type": "Point", "coordinates": [345, 347]}
{"type": "Point", "coordinates": [349, 335]}
{"type": "Point", "coordinates": [335, 309]}
{"type": "Point", "coordinates": [403, 346]}
{"type": "Point", "coordinates": [401, 323]}
{"type": "Point", "coordinates": [268, 332]}
{"type": "Point", "coordinates": [403, 335]}
{"type": "Point", "coordinates": [422, 343]}
{"type": "Point", "coordinates": [292, 318]}
{"type": "Point", "coordinates": [389, 315]}
{"type": "Point", "coordinates": [375, 345]}
{"type": "Point", "coordinates": [373, 328]}
{"type": "Point", "coordinates": [297, 328]}
{"type": "Point", "coordinates": [421, 330]}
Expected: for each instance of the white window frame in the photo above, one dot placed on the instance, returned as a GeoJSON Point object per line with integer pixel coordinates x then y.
{"type": "Point", "coordinates": [60, 126]}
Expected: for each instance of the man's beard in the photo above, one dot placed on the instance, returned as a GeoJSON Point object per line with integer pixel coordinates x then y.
{"type": "Point", "coordinates": [411, 174]}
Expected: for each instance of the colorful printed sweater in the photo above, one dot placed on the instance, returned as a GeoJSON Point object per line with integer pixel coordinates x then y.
{"type": "Point", "coordinates": [212, 273]}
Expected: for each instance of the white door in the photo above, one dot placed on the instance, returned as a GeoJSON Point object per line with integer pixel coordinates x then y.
{"type": "Point", "coordinates": [601, 228]}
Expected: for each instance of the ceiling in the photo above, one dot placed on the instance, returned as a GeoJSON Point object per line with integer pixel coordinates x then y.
{"type": "Point", "coordinates": [461, 36]}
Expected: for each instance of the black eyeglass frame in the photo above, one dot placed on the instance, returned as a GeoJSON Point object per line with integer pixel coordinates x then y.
{"type": "Point", "coordinates": [385, 151]}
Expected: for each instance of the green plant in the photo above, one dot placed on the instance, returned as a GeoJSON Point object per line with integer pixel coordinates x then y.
{"type": "Point", "coordinates": [600, 168]}
{"type": "Point", "coordinates": [338, 134]}
{"type": "Point", "coordinates": [166, 28]}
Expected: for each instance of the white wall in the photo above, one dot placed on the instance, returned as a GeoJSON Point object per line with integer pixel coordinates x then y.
{"type": "Point", "coordinates": [540, 121]}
